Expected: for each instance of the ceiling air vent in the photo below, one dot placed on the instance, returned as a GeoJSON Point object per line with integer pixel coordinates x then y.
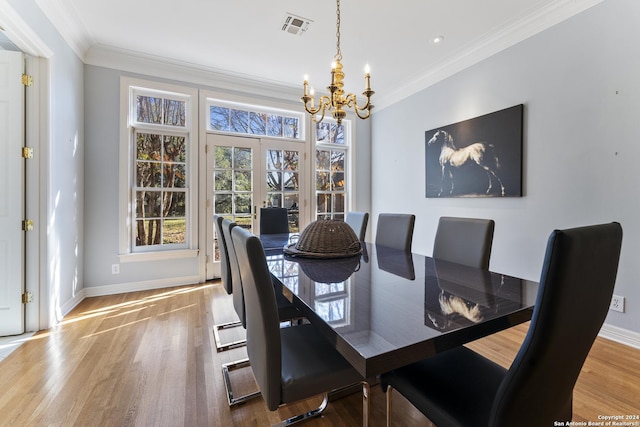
{"type": "Point", "coordinates": [295, 25]}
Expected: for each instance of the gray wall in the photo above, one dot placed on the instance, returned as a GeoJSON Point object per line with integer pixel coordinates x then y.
{"type": "Point", "coordinates": [102, 109]}
{"type": "Point", "coordinates": [580, 87]}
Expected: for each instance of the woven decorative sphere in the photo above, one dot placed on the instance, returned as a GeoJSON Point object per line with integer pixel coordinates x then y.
{"type": "Point", "coordinates": [326, 239]}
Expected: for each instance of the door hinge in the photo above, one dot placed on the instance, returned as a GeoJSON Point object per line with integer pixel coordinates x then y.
{"type": "Point", "coordinates": [27, 153]}
{"type": "Point", "coordinates": [27, 297]}
{"type": "Point", "coordinates": [27, 225]}
{"type": "Point", "coordinates": [27, 80]}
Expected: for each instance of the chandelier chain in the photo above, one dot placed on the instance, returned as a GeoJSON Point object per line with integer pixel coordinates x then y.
{"type": "Point", "coordinates": [337, 101]}
{"type": "Point", "coordinates": [338, 51]}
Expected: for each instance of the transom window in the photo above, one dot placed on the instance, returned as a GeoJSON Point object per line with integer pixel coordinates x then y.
{"type": "Point", "coordinates": [253, 120]}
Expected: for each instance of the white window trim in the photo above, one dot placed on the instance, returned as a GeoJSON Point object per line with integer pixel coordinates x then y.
{"type": "Point", "coordinates": [126, 173]}
{"type": "Point", "coordinates": [256, 107]}
{"type": "Point", "coordinates": [349, 131]}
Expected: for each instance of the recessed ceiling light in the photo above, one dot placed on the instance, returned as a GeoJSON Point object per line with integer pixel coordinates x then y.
{"type": "Point", "coordinates": [437, 40]}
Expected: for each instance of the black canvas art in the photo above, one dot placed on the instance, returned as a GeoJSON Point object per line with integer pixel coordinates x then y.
{"type": "Point", "coordinates": [479, 157]}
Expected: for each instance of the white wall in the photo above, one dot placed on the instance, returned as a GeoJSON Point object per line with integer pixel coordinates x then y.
{"type": "Point", "coordinates": [580, 84]}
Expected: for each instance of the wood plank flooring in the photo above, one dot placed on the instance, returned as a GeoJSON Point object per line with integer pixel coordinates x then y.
{"type": "Point", "coordinates": [148, 359]}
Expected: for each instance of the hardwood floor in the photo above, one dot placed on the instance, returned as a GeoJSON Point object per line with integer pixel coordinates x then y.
{"type": "Point", "coordinates": [148, 359]}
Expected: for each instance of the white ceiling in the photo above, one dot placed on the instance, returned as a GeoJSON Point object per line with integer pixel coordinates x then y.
{"type": "Point", "coordinates": [244, 37]}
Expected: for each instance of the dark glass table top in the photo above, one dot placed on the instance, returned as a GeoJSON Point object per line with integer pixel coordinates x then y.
{"type": "Point", "coordinates": [386, 308]}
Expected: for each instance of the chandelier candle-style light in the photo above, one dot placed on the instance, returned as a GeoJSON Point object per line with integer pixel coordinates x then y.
{"type": "Point", "coordinates": [336, 102]}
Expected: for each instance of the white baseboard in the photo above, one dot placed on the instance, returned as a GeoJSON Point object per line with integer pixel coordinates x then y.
{"type": "Point", "coordinates": [71, 304]}
{"type": "Point", "coordinates": [623, 336]}
{"type": "Point", "coordinates": [120, 288]}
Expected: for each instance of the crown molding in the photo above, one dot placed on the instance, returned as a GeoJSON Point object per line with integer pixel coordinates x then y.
{"type": "Point", "coordinates": [20, 33]}
{"type": "Point", "coordinates": [66, 20]}
{"type": "Point", "coordinates": [68, 23]}
{"type": "Point", "coordinates": [508, 36]}
{"type": "Point", "coordinates": [150, 65]}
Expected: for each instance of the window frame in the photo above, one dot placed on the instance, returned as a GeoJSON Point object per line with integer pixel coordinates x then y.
{"type": "Point", "coordinates": [347, 147]}
{"type": "Point", "coordinates": [250, 108]}
{"type": "Point", "coordinates": [129, 89]}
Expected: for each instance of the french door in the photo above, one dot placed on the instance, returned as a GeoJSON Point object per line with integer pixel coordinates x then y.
{"type": "Point", "coordinates": [245, 174]}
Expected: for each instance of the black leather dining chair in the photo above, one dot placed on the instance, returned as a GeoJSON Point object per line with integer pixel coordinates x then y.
{"type": "Point", "coordinates": [462, 388]}
{"type": "Point", "coordinates": [289, 364]}
{"type": "Point", "coordinates": [227, 283]}
{"type": "Point", "coordinates": [358, 222]}
{"type": "Point", "coordinates": [395, 230]}
{"type": "Point", "coordinates": [287, 312]}
{"type": "Point", "coordinates": [465, 241]}
{"type": "Point", "coordinates": [274, 220]}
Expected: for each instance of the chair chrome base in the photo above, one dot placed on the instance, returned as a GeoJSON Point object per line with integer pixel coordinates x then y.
{"type": "Point", "coordinates": [303, 417]}
{"type": "Point", "coordinates": [325, 401]}
{"type": "Point", "coordinates": [234, 344]}
{"type": "Point", "coordinates": [228, 367]}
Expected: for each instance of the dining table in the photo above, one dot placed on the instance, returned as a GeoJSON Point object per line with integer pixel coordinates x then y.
{"type": "Point", "coordinates": [386, 308]}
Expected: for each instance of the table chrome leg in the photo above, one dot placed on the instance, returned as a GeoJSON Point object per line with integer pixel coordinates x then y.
{"type": "Point", "coordinates": [366, 404]}
{"type": "Point", "coordinates": [388, 395]}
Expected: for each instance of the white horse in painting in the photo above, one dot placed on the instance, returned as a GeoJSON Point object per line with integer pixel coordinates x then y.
{"type": "Point", "coordinates": [451, 157]}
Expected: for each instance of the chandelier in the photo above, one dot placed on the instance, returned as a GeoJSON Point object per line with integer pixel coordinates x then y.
{"type": "Point", "coordinates": [337, 101]}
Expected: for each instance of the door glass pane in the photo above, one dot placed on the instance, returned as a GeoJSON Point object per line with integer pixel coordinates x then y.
{"type": "Point", "coordinates": [290, 181]}
{"type": "Point", "coordinates": [242, 204]}
{"type": "Point", "coordinates": [282, 182]}
{"type": "Point", "coordinates": [274, 160]}
{"type": "Point", "coordinates": [222, 158]}
{"type": "Point", "coordinates": [223, 204]}
{"type": "Point", "coordinates": [291, 160]}
{"type": "Point", "coordinates": [274, 181]}
{"type": "Point", "coordinates": [222, 180]}
{"type": "Point", "coordinates": [243, 158]}
{"type": "Point", "coordinates": [243, 181]}
{"type": "Point", "coordinates": [233, 186]}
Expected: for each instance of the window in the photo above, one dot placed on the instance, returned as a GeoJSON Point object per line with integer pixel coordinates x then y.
{"type": "Point", "coordinates": [330, 169]}
{"type": "Point", "coordinates": [160, 144]}
{"type": "Point", "coordinates": [253, 120]}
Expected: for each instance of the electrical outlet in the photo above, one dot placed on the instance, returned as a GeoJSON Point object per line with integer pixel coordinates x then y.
{"type": "Point", "coordinates": [617, 303]}
{"type": "Point", "coordinates": [115, 268]}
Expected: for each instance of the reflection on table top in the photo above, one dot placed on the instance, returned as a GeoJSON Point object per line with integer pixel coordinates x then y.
{"type": "Point", "coordinates": [386, 308]}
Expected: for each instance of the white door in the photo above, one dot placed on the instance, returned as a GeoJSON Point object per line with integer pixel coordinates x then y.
{"type": "Point", "coordinates": [11, 193]}
{"type": "Point", "coordinates": [245, 174]}
{"type": "Point", "coordinates": [231, 187]}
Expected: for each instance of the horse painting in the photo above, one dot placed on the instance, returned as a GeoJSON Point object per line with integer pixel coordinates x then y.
{"type": "Point", "coordinates": [451, 157]}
